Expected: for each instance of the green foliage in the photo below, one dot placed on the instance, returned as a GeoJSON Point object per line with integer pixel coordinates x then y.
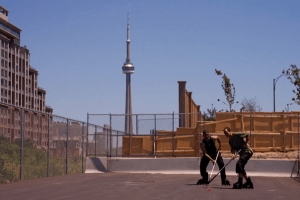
{"type": "Point", "coordinates": [228, 88]}
{"type": "Point", "coordinates": [34, 161]}
{"type": "Point", "coordinates": [293, 75]}
{"type": "Point", "coordinates": [9, 157]}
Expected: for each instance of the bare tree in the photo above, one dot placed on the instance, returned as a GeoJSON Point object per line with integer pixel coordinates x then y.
{"type": "Point", "coordinates": [250, 105]}
{"type": "Point", "coordinates": [210, 115]}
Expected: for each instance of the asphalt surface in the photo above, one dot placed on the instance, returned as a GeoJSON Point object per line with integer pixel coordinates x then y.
{"type": "Point", "coordinates": [146, 186]}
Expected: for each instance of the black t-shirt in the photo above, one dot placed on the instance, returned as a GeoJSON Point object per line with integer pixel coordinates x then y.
{"type": "Point", "coordinates": [210, 146]}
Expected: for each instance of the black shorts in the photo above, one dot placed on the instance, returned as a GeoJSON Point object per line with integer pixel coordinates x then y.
{"type": "Point", "coordinates": [240, 165]}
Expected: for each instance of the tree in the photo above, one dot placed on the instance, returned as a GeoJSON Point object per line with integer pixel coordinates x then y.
{"type": "Point", "coordinates": [293, 75]}
{"type": "Point", "coordinates": [228, 88]}
{"type": "Point", "coordinates": [210, 115]}
{"type": "Point", "coordinates": [250, 105]}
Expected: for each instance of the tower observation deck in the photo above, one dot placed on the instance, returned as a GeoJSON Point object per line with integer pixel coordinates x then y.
{"type": "Point", "coordinates": [128, 66]}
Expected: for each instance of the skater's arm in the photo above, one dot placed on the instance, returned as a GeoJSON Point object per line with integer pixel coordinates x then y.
{"type": "Point", "coordinates": [246, 143]}
{"type": "Point", "coordinates": [210, 158]}
{"type": "Point", "coordinates": [218, 140]}
{"type": "Point", "coordinates": [233, 153]}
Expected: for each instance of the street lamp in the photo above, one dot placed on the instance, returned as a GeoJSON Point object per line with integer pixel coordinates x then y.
{"type": "Point", "coordinates": [274, 84]}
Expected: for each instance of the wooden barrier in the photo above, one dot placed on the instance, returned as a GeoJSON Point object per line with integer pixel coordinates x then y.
{"type": "Point", "coordinates": [268, 133]}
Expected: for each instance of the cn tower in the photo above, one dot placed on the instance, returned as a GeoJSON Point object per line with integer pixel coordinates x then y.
{"type": "Point", "coordinates": [128, 69]}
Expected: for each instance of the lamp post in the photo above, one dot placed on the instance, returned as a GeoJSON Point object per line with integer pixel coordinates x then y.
{"type": "Point", "coordinates": [274, 85]}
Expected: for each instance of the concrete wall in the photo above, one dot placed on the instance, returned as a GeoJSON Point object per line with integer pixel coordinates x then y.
{"type": "Point", "coordinates": [254, 167]}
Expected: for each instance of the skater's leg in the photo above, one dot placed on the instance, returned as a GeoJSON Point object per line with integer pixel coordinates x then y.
{"type": "Point", "coordinates": [203, 166]}
{"type": "Point", "coordinates": [240, 165]}
{"type": "Point", "coordinates": [248, 183]}
{"type": "Point", "coordinates": [220, 163]}
{"type": "Point", "coordinates": [204, 174]}
{"type": "Point", "coordinates": [239, 183]}
{"type": "Point", "coordinates": [240, 169]}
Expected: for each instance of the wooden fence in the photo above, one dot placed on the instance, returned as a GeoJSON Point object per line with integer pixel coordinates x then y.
{"type": "Point", "coordinates": [268, 133]}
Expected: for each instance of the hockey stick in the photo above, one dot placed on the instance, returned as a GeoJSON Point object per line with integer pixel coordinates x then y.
{"type": "Point", "coordinates": [223, 167]}
{"type": "Point", "coordinates": [214, 164]}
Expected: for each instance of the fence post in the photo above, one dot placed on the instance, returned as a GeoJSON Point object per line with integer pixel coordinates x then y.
{"type": "Point", "coordinates": [250, 132]}
{"type": "Point", "coordinates": [117, 144]}
{"type": "Point", "coordinates": [22, 140]}
{"type": "Point", "coordinates": [200, 132]}
{"type": "Point", "coordinates": [137, 124]}
{"type": "Point", "coordinates": [155, 135]}
{"type": "Point", "coordinates": [107, 135]}
{"type": "Point", "coordinates": [110, 143]}
{"type": "Point", "coordinates": [242, 121]}
{"type": "Point", "coordinates": [95, 141]}
{"type": "Point", "coordinates": [87, 136]}
{"type": "Point", "coordinates": [67, 146]}
{"type": "Point", "coordinates": [298, 146]}
{"type": "Point", "coordinates": [173, 142]}
{"type": "Point", "coordinates": [48, 161]}
{"type": "Point", "coordinates": [283, 131]}
{"type": "Point", "coordinates": [82, 148]}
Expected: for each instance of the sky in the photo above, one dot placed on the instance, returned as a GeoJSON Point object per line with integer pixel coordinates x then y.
{"type": "Point", "coordinates": [79, 48]}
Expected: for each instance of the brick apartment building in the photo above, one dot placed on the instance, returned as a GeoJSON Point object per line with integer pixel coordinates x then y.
{"type": "Point", "coordinates": [19, 88]}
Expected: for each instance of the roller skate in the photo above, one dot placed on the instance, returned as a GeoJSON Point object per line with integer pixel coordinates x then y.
{"type": "Point", "coordinates": [248, 184]}
{"type": "Point", "coordinates": [239, 184]}
{"type": "Point", "coordinates": [225, 182]}
{"type": "Point", "coordinates": [202, 181]}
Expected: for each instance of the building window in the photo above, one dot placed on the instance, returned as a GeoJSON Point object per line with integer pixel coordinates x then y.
{"type": "Point", "coordinates": [4, 44]}
{"type": "Point", "coordinates": [77, 145]}
{"type": "Point", "coordinates": [54, 145]}
{"type": "Point", "coordinates": [3, 63]}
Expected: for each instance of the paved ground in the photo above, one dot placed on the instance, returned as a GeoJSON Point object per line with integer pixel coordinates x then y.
{"type": "Point", "coordinates": [145, 186]}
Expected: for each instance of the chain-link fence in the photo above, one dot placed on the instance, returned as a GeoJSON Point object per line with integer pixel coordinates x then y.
{"type": "Point", "coordinates": [35, 144]}
{"type": "Point", "coordinates": [271, 135]}
{"type": "Point", "coordinates": [147, 135]}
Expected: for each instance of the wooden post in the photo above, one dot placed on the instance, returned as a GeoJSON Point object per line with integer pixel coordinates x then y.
{"type": "Point", "coordinates": [291, 122]}
{"type": "Point", "coordinates": [190, 109]}
{"type": "Point", "coordinates": [234, 122]}
{"type": "Point", "coordinates": [253, 123]}
{"type": "Point", "coordinates": [272, 123]}
{"type": "Point", "coordinates": [242, 121]}
{"type": "Point", "coordinates": [182, 102]}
